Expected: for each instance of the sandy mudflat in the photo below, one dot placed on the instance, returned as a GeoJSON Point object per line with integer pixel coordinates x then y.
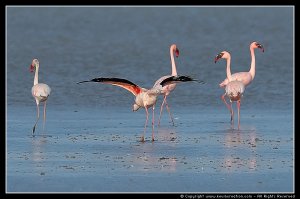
{"type": "Point", "coordinates": [101, 152]}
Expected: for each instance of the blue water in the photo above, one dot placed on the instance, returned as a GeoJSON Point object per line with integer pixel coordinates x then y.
{"type": "Point", "coordinates": [80, 43]}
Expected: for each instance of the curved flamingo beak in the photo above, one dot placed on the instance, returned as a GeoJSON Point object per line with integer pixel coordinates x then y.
{"type": "Point", "coordinates": [216, 59]}
{"type": "Point", "coordinates": [177, 52]}
{"type": "Point", "coordinates": [31, 68]}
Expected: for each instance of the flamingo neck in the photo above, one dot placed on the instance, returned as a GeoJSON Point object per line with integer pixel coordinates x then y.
{"type": "Point", "coordinates": [174, 71]}
{"type": "Point", "coordinates": [252, 67]}
{"type": "Point", "coordinates": [228, 70]}
{"type": "Point", "coordinates": [36, 76]}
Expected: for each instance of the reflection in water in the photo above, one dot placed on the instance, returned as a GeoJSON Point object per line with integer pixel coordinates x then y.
{"type": "Point", "coordinates": [237, 153]}
{"type": "Point", "coordinates": [167, 135]}
{"type": "Point", "coordinates": [38, 143]}
{"type": "Point", "coordinates": [151, 158]}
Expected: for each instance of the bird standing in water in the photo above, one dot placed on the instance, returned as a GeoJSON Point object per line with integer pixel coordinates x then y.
{"type": "Point", "coordinates": [40, 92]}
{"type": "Point", "coordinates": [166, 90]}
{"type": "Point", "coordinates": [234, 89]}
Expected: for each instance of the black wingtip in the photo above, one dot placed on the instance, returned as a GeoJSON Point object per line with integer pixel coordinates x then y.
{"type": "Point", "coordinates": [181, 78]}
{"type": "Point", "coordinates": [83, 81]}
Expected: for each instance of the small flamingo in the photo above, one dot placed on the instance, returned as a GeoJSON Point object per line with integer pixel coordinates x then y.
{"type": "Point", "coordinates": [234, 89]}
{"type": "Point", "coordinates": [166, 90]}
{"type": "Point", "coordinates": [145, 98]}
{"type": "Point", "coordinates": [39, 91]}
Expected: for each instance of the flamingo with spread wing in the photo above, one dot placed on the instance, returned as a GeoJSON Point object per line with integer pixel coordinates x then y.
{"type": "Point", "coordinates": [144, 98]}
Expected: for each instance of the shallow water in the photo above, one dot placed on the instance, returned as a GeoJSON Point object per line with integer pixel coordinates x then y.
{"type": "Point", "coordinates": [92, 136]}
{"type": "Point", "coordinates": [101, 152]}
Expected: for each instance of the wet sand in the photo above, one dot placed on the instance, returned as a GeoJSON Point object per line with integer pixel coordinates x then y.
{"type": "Point", "coordinates": [101, 152]}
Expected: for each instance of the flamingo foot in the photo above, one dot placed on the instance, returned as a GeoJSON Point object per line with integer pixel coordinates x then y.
{"type": "Point", "coordinates": [142, 139]}
{"type": "Point", "coordinates": [33, 130]}
{"type": "Point", "coordinates": [153, 139]}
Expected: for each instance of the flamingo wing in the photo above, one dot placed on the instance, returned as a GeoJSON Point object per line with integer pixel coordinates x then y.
{"type": "Point", "coordinates": [124, 83]}
{"type": "Point", "coordinates": [182, 78]}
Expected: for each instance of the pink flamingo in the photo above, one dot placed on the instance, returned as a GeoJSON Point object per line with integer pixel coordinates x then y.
{"type": "Point", "coordinates": [234, 89]}
{"type": "Point", "coordinates": [166, 90]}
{"type": "Point", "coordinates": [145, 98]}
{"type": "Point", "coordinates": [39, 91]}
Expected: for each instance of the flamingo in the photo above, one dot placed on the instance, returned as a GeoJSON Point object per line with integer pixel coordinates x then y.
{"type": "Point", "coordinates": [234, 89]}
{"type": "Point", "coordinates": [40, 92]}
{"type": "Point", "coordinates": [166, 90]}
{"type": "Point", "coordinates": [144, 98]}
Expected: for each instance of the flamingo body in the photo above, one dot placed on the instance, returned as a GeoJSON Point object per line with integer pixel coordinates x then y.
{"type": "Point", "coordinates": [244, 77]}
{"type": "Point", "coordinates": [41, 92]}
{"type": "Point", "coordinates": [235, 90]}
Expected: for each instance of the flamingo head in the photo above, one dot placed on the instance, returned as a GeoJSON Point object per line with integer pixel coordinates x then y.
{"type": "Point", "coordinates": [257, 45]}
{"type": "Point", "coordinates": [135, 107]}
{"type": "Point", "coordinates": [223, 54]}
{"type": "Point", "coordinates": [174, 49]}
{"type": "Point", "coordinates": [33, 65]}
{"type": "Point", "coordinates": [219, 56]}
{"type": "Point", "coordinates": [260, 46]}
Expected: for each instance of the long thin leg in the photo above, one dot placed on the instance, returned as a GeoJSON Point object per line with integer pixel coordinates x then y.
{"type": "Point", "coordinates": [153, 107]}
{"type": "Point", "coordinates": [44, 116]}
{"type": "Point", "coordinates": [161, 108]}
{"type": "Point", "coordinates": [232, 115]}
{"type": "Point", "coordinates": [167, 106]}
{"type": "Point", "coordinates": [146, 122]}
{"type": "Point", "coordinates": [38, 116]}
{"type": "Point", "coordinates": [229, 107]}
{"type": "Point", "coordinates": [238, 103]}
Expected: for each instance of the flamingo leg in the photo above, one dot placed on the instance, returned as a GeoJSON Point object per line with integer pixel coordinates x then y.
{"type": "Point", "coordinates": [146, 122]}
{"type": "Point", "coordinates": [238, 103]}
{"type": "Point", "coordinates": [161, 108]}
{"type": "Point", "coordinates": [167, 106]}
{"type": "Point", "coordinates": [229, 107]}
{"type": "Point", "coordinates": [38, 116]}
{"type": "Point", "coordinates": [44, 116]}
{"type": "Point", "coordinates": [153, 107]}
{"type": "Point", "coordinates": [232, 114]}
